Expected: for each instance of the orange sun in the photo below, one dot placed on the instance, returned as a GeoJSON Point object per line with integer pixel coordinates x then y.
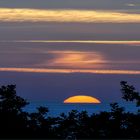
{"type": "Point", "coordinates": [82, 99]}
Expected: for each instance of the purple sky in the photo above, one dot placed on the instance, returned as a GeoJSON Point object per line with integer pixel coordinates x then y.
{"type": "Point", "coordinates": [75, 35]}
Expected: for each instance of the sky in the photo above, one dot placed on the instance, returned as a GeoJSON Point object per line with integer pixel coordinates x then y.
{"type": "Point", "coordinates": [54, 49]}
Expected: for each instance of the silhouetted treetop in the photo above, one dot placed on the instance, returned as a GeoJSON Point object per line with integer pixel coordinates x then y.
{"type": "Point", "coordinates": [9, 101]}
{"type": "Point", "coordinates": [129, 93]}
{"type": "Point", "coordinates": [116, 123]}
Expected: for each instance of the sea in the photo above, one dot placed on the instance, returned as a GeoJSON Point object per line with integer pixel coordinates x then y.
{"type": "Point", "coordinates": [55, 108]}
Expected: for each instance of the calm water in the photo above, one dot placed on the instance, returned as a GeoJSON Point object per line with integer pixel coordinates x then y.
{"type": "Point", "coordinates": [57, 108]}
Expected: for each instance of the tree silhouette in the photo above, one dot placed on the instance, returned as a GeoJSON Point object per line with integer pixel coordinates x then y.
{"type": "Point", "coordinates": [130, 93]}
{"type": "Point", "coordinates": [116, 123]}
{"type": "Point", "coordinates": [132, 120]}
{"type": "Point", "coordinates": [12, 117]}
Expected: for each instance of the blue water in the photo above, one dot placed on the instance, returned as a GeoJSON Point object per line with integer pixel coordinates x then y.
{"type": "Point", "coordinates": [55, 109]}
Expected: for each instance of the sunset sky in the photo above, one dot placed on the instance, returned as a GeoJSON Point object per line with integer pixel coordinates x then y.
{"type": "Point", "coordinates": [55, 49]}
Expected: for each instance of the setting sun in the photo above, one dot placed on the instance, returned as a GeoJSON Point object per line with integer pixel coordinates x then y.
{"type": "Point", "coordinates": [82, 99]}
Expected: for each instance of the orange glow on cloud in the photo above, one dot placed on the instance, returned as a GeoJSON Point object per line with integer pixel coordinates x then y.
{"type": "Point", "coordinates": [82, 99]}
{"type": "Point", "coordinates": [67, 15]}
{"type": "Point", "coordinates": [41, 70]}
{"type": "Point", "coordinates": [76, 59]}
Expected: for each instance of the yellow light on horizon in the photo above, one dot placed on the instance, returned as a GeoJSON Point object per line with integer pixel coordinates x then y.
{"type": "Point", "coordinates": [82, 99]}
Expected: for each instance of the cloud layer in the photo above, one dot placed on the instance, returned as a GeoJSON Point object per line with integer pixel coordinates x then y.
{"type": "Point", "coordinates": [37, 70]}
{"type": "Point", "coordinates": [68, 15]}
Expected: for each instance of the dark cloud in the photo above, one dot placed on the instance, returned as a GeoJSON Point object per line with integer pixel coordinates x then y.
{"type": "Point", "coordinates": [84, 4]}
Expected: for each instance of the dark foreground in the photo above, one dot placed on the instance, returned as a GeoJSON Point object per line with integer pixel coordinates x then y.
{"type": "Point", "coordinates": [117, 123]}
